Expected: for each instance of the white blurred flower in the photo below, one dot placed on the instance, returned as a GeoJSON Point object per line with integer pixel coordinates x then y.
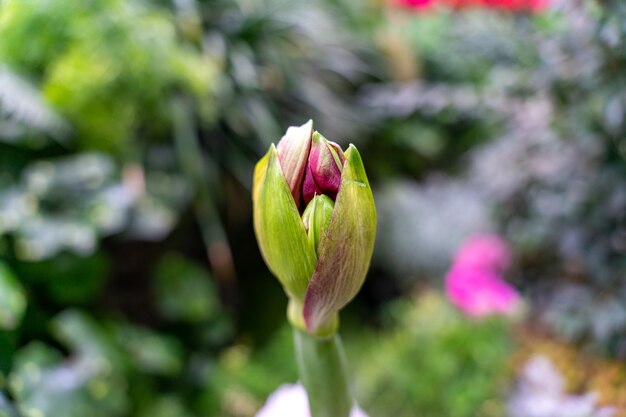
{"type": "Point", "coordinates": [291, 401]}
{"type": "Point", "coordinates": [541, 393]}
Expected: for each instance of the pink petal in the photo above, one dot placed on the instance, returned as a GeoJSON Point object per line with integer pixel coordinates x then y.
{"type": "Point", "coordinates": [323, 174]}
{"type": "Point", "coordinates": [293, 153]}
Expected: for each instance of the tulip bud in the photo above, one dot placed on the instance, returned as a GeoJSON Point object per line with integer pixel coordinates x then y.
{"type": "Point", "coordinates": [321, 257]}
{"type": "Point", "coordinates": [316, 219]}
{"type": "Point", "coordinates": [293, 152]}
{"type": "Point", "coordinates": [323, 171]}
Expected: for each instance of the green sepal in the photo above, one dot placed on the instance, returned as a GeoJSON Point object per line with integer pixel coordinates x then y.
{"type": "Point", "coordinates": [282, 239]}
{"type": "Point", "coordinates": [347, 250]}
{"type": "Point", "coordinates": [316, 219]}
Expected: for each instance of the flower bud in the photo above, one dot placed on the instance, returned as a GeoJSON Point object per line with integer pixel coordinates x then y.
{"type": "Point", "coordinates": [316, 219]}
{"type": "Point", "coordinates": [323, 171]}
{"type": "Point", "coordinates": [293, 152]}
{"type": "Point", "coordinates": [320, 257]}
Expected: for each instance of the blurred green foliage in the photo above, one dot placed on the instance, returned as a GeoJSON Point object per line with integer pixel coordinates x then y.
{"type": "Point", "coordinates": [109, 66]}
{"type": "Point", "coordinates": [130, 282]}
{"type": "Point", "coordinates": [432, 360]}
{"type": "Point", "coordinates": [115, 367]}
{"type": "Point", "coordinates": [12, 299]}
{"type": "Point", "coordinates": [184, 291]}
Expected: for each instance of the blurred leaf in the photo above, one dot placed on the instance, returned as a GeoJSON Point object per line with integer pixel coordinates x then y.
{"type": "Point", "coordinates": [149, 351]}
{"type": "Point", "coordinates": [166, 406]}
{"type": "Point", "coordinates": [85, 336]}
{"type": "Point", "coordinates": [64, 203]}
{"type": "Point", "coordinates": [12, 299]}
{"type": "Point", "coordinates": [184, 290]}
{"type": "Point", "coordinates": [420, 138]}
{"type": "Point", "coordinates": [67, 278]}
{"type": "Point", "coordinates": [27, 366]}
{"type": "Point", "coordinates": [6, 410]}
{"type": "Point", "coordinates": [156, 212]}
{"type": "Point", "coordinates": [218, 331]}
{"type": "Point", "coordinates": [45, 385]}
{"type": "Point", "coordinates": [22, 104]}
{"type": "Point", "coordinates": [7, 349]}
{"type": "Point", "coordinates": [88, 383]}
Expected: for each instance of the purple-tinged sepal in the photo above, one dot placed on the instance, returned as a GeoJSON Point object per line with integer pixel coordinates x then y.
{"type": "Point", "coordinates": [345, 254]}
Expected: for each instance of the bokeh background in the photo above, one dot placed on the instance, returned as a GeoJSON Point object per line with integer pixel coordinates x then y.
{"type": "Point", "coordinates": [131, 284]}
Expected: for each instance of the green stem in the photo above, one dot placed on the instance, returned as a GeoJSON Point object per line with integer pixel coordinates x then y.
{"type": "Point", "coordinates": [322, 368]}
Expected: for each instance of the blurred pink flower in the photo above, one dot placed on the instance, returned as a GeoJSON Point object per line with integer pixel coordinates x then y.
{"type": "Point", "coordinates": [474, 283]}
{"type": "Point", "coordinates": [414, 4]}
{"type": "Point", "coordinates": [484, 251]}
{"type": "Point", "coordinates": [480, 293]}
{"type": "Point", "coordinates": [291, 401]}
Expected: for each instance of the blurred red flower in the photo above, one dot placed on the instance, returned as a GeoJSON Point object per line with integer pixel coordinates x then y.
{"type": "Point", "coordinates": [515, 5]}
{"type": "Point", "coordinates": [414, 4]}
{"type": "Point", "coordinates": [509, 5]}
